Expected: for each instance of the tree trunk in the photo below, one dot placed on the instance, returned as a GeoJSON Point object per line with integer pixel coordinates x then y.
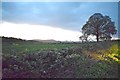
{"type": "Point", "coordinates": [97, 38]}
{"type": "Point", "coordinates": [97, 35]}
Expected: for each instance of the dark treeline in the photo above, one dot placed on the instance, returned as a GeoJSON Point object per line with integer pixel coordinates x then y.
{"type": "Point", "coordinates": [11, 39]}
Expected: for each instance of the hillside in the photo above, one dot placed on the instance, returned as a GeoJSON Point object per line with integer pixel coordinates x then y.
{"type": "Point", "coordinates": [43, 60]}
{"type": "Point", "coordinates": [47, 41]}
{"type": "Point", "coordinates": [11, 39]}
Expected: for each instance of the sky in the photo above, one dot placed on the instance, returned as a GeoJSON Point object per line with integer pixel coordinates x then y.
{"type": "Point", "coordinates": [51, 20]}
{"type": "Point", "coordinates": [60, 0]}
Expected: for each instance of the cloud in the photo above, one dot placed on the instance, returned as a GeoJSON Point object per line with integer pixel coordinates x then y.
{"type": "Point", "coordinates": [54, 14]}
{"type": "Point", "coordinates": [65, 15]}
{"type": "Point", "coordinates": [27, 31]}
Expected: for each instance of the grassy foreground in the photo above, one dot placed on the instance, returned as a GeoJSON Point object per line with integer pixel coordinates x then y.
{"type": "Point", "coordinates": [50, 60]}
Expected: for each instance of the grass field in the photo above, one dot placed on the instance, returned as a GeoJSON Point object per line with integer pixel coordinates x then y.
{"type": "Point", "coordinates": [30, 47]}
{"type": "Point", "coordinates": [60, 60]}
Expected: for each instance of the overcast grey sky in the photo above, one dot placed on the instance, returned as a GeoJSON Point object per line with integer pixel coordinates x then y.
{"type": "Point", "coordinates": [64, 15]}
{"type": "Point", "coordinates": [67, 15]}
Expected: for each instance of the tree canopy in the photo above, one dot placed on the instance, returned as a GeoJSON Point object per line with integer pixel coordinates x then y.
{"type": "Point", "coordinates": [100, 26]}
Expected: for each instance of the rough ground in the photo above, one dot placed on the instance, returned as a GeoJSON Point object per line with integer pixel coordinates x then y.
{"type": "Point", "coordinates": [85, 61]}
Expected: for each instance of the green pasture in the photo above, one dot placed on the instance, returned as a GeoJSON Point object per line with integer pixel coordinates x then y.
{"type": "Point", "coordinates": [30, 47]}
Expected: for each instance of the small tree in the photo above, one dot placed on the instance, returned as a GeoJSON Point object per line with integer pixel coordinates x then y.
{"type": "Point", "coordinates": [100, 26]}
{"type": "Point", "coordinates": [84, 37]}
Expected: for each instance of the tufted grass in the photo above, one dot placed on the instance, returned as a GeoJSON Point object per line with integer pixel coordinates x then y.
{"type": "Point", "coordinates": [83, 60]}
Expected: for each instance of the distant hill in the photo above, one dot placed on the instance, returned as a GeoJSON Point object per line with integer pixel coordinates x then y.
{"type": "Point", "coordinates": [47, 41]}
{"type": "Point", "coordinates": [11, 39]}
